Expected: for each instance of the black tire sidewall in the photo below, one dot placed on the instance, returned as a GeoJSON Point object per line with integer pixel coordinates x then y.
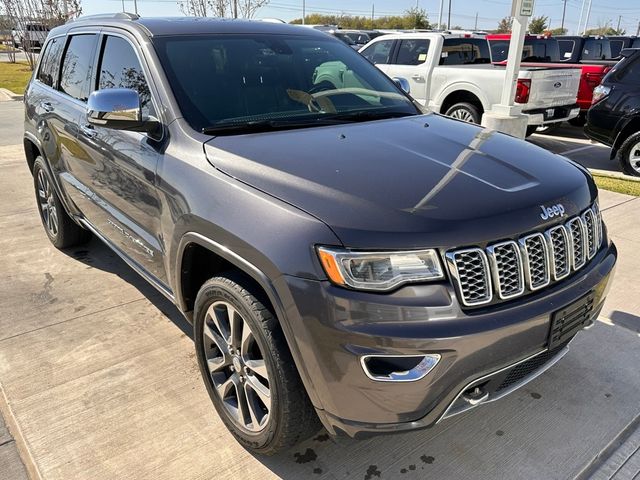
{"type": "Point", "coordinates": [214, 290]}
{"type": "Point", "coordinates": [38, 166]}
{"type": "Point", "coordinates": [625, 151]}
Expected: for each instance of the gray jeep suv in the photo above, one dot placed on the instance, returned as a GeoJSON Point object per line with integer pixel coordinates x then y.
{"type": "Point", "coordinates": [343, 255]}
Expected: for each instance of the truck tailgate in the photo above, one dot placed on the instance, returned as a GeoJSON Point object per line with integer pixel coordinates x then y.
{"type": "Point", "coordinates": [553, 87]}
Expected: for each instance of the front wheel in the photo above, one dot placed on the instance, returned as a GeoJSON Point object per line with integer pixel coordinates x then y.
{"type": "Point", "coordinates": [62, 231]}
{"type": "Point", "coordinates": [467, 112]}
{"type": "Point", "coordinates": [629, 155]}
{"type": "Point", "coordinates": [248, 369]}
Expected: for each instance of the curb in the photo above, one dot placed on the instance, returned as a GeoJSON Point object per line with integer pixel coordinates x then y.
{"type": "Point", "coordinates": [5, 92]}
{"type": "Point", "coordinates": [16, 432]}
{"type": "Point", "coordinates": [616, 175]}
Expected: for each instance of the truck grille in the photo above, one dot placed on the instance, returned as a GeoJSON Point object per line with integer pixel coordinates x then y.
{"type": "Point", "coordinates": [513, 268]}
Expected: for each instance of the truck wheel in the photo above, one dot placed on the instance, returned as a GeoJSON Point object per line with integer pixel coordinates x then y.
{"type": "Point", "coordinates": [248, 369]}
{"type": "Point", "coordinates": [578, 121]}
{"type": "Point", "coordinates": [467, 112]}
{"type": "Point", "coordinates": [548, 128]}
{"type": "Point", "coordinates": [62, 231]}
{"type": "Point", "coordinates": [629, 155]}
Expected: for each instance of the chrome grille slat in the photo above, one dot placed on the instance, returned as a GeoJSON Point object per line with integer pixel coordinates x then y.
{"type": "Point", "coordinates": [559, 252]}
{"type": "Point", "coordinates": [536, 255]}
{"type": "Point", "coordinates": [507, 269]}
{"type": "Point", "coordinates": [471, 269]}
{"type": "Point", "coordinates": [513, 268]}
{"type": "Point", "coordinates": [576, 231]}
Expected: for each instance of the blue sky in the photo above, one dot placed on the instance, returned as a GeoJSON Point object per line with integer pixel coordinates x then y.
{"type": "Point", "coordinates": [463, 12]}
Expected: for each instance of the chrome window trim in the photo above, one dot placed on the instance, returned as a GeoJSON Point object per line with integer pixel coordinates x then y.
{"type": "Point", "coordinates": [494, 270]}
{"type": "Point", "coordinates": [525, 254]}
{"type": "Point", "coordinates": [453, 268]}
{"type": "Point", "coordinates": [568, 251]}
{"type": "Point", "coordinates": [583, 258]}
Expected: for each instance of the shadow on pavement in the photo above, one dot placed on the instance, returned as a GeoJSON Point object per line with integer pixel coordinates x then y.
{"type": "Point", "coordinates": [626, 320]}
{"type": "Point", "coordinates": [97, 255]}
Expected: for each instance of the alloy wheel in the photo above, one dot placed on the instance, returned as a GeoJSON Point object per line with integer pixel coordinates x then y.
{"type": "Point", "coordinates": [462, 114]}
{"type": "Point", "coordinates": [634, 157]}
{"type": "Point", "coordinates": [47, 203]}
{"type": "Point", "coordinates": [236, 366]}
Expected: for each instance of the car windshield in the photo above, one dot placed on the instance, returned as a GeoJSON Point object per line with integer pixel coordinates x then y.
{"type": "Point", "coordinates": [229, 82]}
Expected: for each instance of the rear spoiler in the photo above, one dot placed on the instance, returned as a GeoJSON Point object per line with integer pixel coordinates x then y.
{"type": "Point", "coordinates": [628, 52]}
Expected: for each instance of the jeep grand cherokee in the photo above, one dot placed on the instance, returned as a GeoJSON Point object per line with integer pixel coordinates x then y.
{"type": "Point", "coordinates": [343, 255]}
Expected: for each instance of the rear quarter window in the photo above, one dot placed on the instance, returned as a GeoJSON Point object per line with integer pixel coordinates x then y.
{"type": "Point", "coordinates": [566, 49]}
{"type": "Point", "coordinates": [596, 50]}
{"type": "Point", "coordinates": [463, 51]}
{"type": "Point", "coordinates": [50, 63]}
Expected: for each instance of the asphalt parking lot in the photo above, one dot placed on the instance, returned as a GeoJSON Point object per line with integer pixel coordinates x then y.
{"type": "Point", "coordinates": [98, 378]}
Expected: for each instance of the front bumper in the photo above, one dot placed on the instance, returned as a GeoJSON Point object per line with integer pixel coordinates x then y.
{"type": "Point", "coordinates": [544, 116]}
{"type": "Point", "coordinates": [335, 327]}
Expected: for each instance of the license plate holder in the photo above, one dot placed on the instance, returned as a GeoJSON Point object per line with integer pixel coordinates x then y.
{"type": "Point", "coordinates": [565, 323]}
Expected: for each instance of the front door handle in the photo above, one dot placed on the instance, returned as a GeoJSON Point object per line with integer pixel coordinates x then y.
{"type": "Point", "coordinates": [417, 78]}
{"type": "Point", "coordinates": [88, 130]}
{"type": "Point", "coordinates": [47, 107]}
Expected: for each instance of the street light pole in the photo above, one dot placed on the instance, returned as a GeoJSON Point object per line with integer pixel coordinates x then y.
{"type": "Point", "coordinates": [304, 9]}
{"type": "Point", "coordinates": [440, 14]}
{"type": "Point", "coordinates": [564, 11]}
{"type": "Point", "coordinates": [580, 17]}
{"type": "Point", "coordinates": [449, 17]}
{"type": "Point", "coordinates": [586, 22]}
{"type": "Point", "coordinates": [135, 6]}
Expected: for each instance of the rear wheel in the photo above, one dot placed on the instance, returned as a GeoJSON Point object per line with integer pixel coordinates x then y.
{"type": "Point", "coordinates": [248, 370]}
{"type": "Point", "coordinates": [467, 112]}
{"type": "Point", "coordinates": [629, 155]}
{"type": "Point", "coordinates": [62, 231]}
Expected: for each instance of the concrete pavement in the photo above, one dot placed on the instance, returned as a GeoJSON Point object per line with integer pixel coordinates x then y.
{"type": "Point", "coordinates": [100, 381]}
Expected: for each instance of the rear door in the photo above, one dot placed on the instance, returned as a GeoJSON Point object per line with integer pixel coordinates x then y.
{"type": "Point", "coordinates": [121, 175]}
{"type": "Point", "coordinates": [411, 61]}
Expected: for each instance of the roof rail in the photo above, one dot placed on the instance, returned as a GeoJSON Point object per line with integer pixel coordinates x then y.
{"type": "Point", "coordinates": [107, 16]}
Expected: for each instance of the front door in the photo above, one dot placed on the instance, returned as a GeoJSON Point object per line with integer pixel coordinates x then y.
{"type": "Point", "coordinates": [410, 62]}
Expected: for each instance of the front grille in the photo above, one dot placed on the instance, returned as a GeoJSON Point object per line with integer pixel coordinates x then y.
{"type": "Point", "coordinates": [511, 268]}
{"type": "Point", "coordinates": [473, 272]}
{"type": "Point", "coordinates": [527, 367]}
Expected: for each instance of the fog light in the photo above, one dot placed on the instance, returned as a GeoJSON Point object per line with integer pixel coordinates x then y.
{"type": "Point", "coordinates": [398, 368]}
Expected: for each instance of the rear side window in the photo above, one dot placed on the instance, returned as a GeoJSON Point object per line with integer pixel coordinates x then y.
{"type": "Point", "coordinates": [566, 49]}
{"type": "Point", "coordinates": [120, 68]}
{"type": "Point", "coordinates": [412, 51]}
{"type": "Point", "coordinates": [628, 70]}
{"type": "Point", "coordinates": [616, 47]}
{"type": "Point", "coordinates": [50, 64]}
{"type": "Point", "coordinates": [464, 51]}
{"type": "Point", "coordinates": [596, 50]}
{"type": "Point", "coordinates": [379, 52]}
{"type": "Point", "coordinates": [76, 66]}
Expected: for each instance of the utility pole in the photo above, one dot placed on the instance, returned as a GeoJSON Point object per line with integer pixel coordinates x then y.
{"type": "Point", "coordinates": [373, 13]}
{"type": "Point", "coordinates": [638, 30]}
{"type": "Point", "coordinates": [440, 14]}
{"type": "Point", "coordinates": [580, 17]}
{"type": "Point", "coordinates": [618, 29]}
{"type": "Point", "coordinates": [235, 8]}
{"type": "Point", "coordinates": [564, 11]}
{"type": "Point", "coordinates": [586, 21]}
{"type": "Point", "coordinates": [304, 9]}
{"type": "Point", "coordinates": [475, 25]}
{"type": "Point", "coordinates": [449, 17]}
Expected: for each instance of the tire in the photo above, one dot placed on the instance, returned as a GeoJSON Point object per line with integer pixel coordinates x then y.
{"type": "Point", "coordinates": [629, 155]}
{"type": "Point", "coordinates": [62, 231]}
{"type": "Point", "coordinates": [275, 421]}
{"type": "Point", "coordinates": [531, 129]}
{"type": "Point", "coordinates": [578, 121]}
{"type": "Point", "coordinates": [549, 128]}
{"type": "Point", "coordinates": [466, 112]}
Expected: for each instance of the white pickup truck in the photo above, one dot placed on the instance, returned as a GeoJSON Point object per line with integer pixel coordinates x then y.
{"type": "Point", "coordinates": [453, 75]}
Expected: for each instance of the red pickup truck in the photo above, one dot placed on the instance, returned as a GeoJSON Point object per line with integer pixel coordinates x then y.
{"type": "Point", "coordinates": [542, 50]}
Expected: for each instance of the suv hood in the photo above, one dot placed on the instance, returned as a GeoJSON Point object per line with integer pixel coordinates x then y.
{"type": "Point", "coordinates": [410, 182]}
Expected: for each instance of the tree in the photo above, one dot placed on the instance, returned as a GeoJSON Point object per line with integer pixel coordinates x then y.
{"type": "Point", "coordinates": [538, 24]}
{"type": "Point", "coordinates": [558, 31]}
{"type": "Point", "coordinates": [411, 19]}
{"type": "Point", "coordinates": [504, 26]}
{"type": "Point", "coordinates": [221, 8]}
{"type": "Point", "coordinates": [417, 18]}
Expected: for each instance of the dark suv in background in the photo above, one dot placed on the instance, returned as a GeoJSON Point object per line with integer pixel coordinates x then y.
{"type": "Point", "coordinates": [342, 255]}
{"type": "Point", "coordinates": [614, 118]}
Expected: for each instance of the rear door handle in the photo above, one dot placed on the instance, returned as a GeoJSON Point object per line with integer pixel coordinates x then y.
{"type": "Point", "coordinates": [47, 107]}
{"type": "Point", "coordinates": [88, 130]}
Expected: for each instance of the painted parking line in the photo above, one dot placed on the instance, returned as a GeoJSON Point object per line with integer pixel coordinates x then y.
{"type": "Point", "coordinates": [579, 149]}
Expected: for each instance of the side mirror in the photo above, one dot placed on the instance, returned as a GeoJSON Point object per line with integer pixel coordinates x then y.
{"type": "Point", "coordinates": [403, 83]}
{"type": "Point", "coordinates": [119, 109]}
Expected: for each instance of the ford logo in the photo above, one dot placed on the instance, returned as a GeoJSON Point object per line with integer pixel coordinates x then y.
{"type": "Point", "coordinates": [557, 85]}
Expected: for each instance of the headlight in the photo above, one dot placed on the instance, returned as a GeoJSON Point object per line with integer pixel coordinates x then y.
{"type": "Point", "coordinates": [379, 270]}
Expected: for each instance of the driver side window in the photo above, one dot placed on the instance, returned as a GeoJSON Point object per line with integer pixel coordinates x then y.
{"type": "Point", "coordinates": [379, 52]}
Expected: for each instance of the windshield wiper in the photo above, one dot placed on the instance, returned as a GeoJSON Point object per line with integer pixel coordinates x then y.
{"type": "Point", "coordinates": [266, 125]}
